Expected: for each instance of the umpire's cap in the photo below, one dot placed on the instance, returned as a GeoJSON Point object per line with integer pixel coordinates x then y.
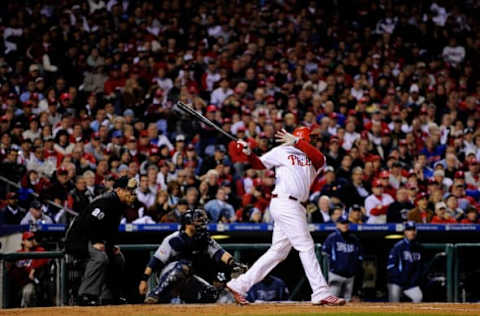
{"type": "Point", "coordinates": [126, 183]}
{"type": "Point", "coordinates": [410, 225]}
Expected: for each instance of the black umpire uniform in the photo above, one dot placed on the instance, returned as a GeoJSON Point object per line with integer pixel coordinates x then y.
{"type": "Point", "coordinates": [91, 238]}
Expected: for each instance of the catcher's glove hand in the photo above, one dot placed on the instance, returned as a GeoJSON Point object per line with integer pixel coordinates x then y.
{"type": "Point", "coordinates": [236, 268]}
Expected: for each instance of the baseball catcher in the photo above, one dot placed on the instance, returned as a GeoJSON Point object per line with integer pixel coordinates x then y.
{"type": "Point", "coordinates": [176, 259]}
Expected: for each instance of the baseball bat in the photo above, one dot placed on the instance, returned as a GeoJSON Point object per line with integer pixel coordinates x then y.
{"type": "Point", "coordinates": [187, 109]}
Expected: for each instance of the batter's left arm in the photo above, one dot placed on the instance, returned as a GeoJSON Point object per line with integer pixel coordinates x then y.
{"type": "Point", "coordinates": [317, 158]}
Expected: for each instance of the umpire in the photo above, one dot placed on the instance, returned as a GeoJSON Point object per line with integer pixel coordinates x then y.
{"type": "Point", "coordinates": [178, 257]}
{"type": "Point", "coordinates": [405, 267]}
{"type": "Point", "coordinates": [345, 257]}
{"type": "Point", "coordinates": [91, 238]}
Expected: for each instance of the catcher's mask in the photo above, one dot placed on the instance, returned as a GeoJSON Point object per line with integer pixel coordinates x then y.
{"type": "Point", "coordinates": [197, 217]}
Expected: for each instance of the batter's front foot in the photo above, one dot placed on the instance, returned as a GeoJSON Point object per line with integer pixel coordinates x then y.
{"type": "Point", "coordinates": [331, 301]}
{"type": "Point", "coordinates": [239, 298]}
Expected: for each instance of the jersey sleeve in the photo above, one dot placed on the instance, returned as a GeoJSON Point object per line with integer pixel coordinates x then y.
{"type": "Point", "coordinates": [164, 251]}
{"type": "Point", "coordinates": [214, 250]}
{"type": "Point", "coordinates": [271, 159]}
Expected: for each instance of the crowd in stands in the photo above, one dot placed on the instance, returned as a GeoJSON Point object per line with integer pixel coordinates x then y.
{"type": "Point", "coordinates": [390, 88]}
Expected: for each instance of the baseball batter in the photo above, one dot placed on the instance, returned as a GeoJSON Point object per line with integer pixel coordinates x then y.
{"type": "Point", "coordinates": [296, 165]}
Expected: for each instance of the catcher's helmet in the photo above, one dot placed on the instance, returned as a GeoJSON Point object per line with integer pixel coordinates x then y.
{"type": "Point", "coordinates": [196, 217]}
{"type": "Point", "coordinates": [302, 132]}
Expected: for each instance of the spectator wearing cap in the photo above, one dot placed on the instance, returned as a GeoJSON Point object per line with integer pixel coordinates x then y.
{"type": "Point", "coordinates": [175, 215]}
{"type": "Point", "coordinates": [335, 153]}
{"type": "Point", "coordinates": [29, 277]}
{"type": "Point", "coordinates": [345, 256]}
{"type": "Point", "coordinates": [441, 215]}
{"type": "Point", "coordinates": [376, 204]}
{"type": "Point", "coordinates": [179, 147]}
{"type": "Point", "coordinates": [219, 157]}
{"type": "Point", "coordinates": [421, 213]}
{"type": "Point", "coordinates": [405, 267]}
{"type": "Point", "coordinates": [384, 177]}
{"type": "Point", "coordinates": [59, 186]}
{"type": "Point", "coordinates": [439, 178]}
{"type": "Point", "coordinates": [35, 215]}
{"type": "Point", "coordinates": [11, 213]}
{"type": "Point", "coordinates": [218, 210]}
{"type": "Point", "coordinates": [356, 214]}
{"type": "Point", "coordinates": [398, 211]}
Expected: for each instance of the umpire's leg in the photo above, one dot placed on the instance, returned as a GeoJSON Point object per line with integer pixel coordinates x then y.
{"type": "Point", "coordinates": [94, 275]}
{"type": "Point", "coordinates": [113, 288]}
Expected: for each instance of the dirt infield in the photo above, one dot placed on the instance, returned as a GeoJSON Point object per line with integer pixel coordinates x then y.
{"type": "Point", "coordinates": [254, 309]}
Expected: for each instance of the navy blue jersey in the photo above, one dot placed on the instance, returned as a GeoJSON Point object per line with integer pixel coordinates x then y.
{"type": "Point", "coordinates": [270, 289]}
{"type": "Point", "coordinates": [344, 253]}
{"type": "Point", "coordinates": [405, 264]}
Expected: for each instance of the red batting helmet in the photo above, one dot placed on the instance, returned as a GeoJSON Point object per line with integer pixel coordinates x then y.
{"type": "Point", "coordinates": [302, 132]}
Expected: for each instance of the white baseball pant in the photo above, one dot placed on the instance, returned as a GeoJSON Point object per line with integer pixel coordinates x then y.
{"type": "Point", "coordinates": [341, 286]}
{"type": "Point", "coordinates": [395, 291]}
{"type": "Point", "coordinates": [290, 229]}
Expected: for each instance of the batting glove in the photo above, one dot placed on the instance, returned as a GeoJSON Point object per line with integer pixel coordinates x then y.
{"type": "Point", "coordinates": [245, 147]}
{"type": "Point", "coordinates": [286, 138]}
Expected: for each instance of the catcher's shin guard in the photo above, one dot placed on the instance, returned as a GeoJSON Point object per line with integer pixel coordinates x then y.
{"type": "Point", "coordinates": [172, 275]}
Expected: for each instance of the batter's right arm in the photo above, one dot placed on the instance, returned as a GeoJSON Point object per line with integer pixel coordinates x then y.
{"type": "Point", "coordinates": [253, 159]}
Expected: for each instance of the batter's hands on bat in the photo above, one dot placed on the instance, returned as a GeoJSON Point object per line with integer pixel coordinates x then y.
{"type": "Point", "coordinates": [286, 138]}
{"type": "Point", "coordinates": [244, 147]}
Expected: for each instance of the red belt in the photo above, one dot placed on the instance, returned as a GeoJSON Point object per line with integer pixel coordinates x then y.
{"type": "Point", "coordinates": [291, 198]}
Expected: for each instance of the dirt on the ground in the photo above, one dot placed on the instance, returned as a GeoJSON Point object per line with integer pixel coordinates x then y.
{"type": "Point", "coordinates": [253, 309]}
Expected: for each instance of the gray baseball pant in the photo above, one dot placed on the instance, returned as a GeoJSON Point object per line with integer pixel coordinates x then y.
{"type": "Point", "coordinates": [395, 291]}
{"type": "Point", "coordinates": [341, 286]}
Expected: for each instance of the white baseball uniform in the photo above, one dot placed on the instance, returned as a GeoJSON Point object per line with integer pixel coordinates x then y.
{"type": "Point", "coordinates": [294, 175]}
{"type": "Point", "coordinates": [372, 202]}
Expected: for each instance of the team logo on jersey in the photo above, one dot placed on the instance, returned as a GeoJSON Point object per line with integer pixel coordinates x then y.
{"type": "Point", "coordinates": [411, 256]}
{"type": "Point", "coordinates": [299, 161]}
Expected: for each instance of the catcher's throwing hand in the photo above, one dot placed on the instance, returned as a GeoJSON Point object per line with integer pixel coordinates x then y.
{"type": "Point", "coordinates": [286, 138]}
{"type": "Point", "coordinates": [244, 147]}
{"type": "Point", "coordinates": [143, 287]}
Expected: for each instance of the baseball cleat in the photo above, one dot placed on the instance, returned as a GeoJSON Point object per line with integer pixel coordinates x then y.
{"type": "Point", "coordinates": [239, 298]}
{"type": "Point", "coordinates": [151, 299]}
{"type": "Point", "coordinates": [331, 301]}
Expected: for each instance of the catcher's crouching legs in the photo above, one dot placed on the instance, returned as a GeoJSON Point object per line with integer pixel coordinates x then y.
{"type": "Point", "coordinates": [172, 277]}
{"type": "Point", "coordinates": [197, 290]}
